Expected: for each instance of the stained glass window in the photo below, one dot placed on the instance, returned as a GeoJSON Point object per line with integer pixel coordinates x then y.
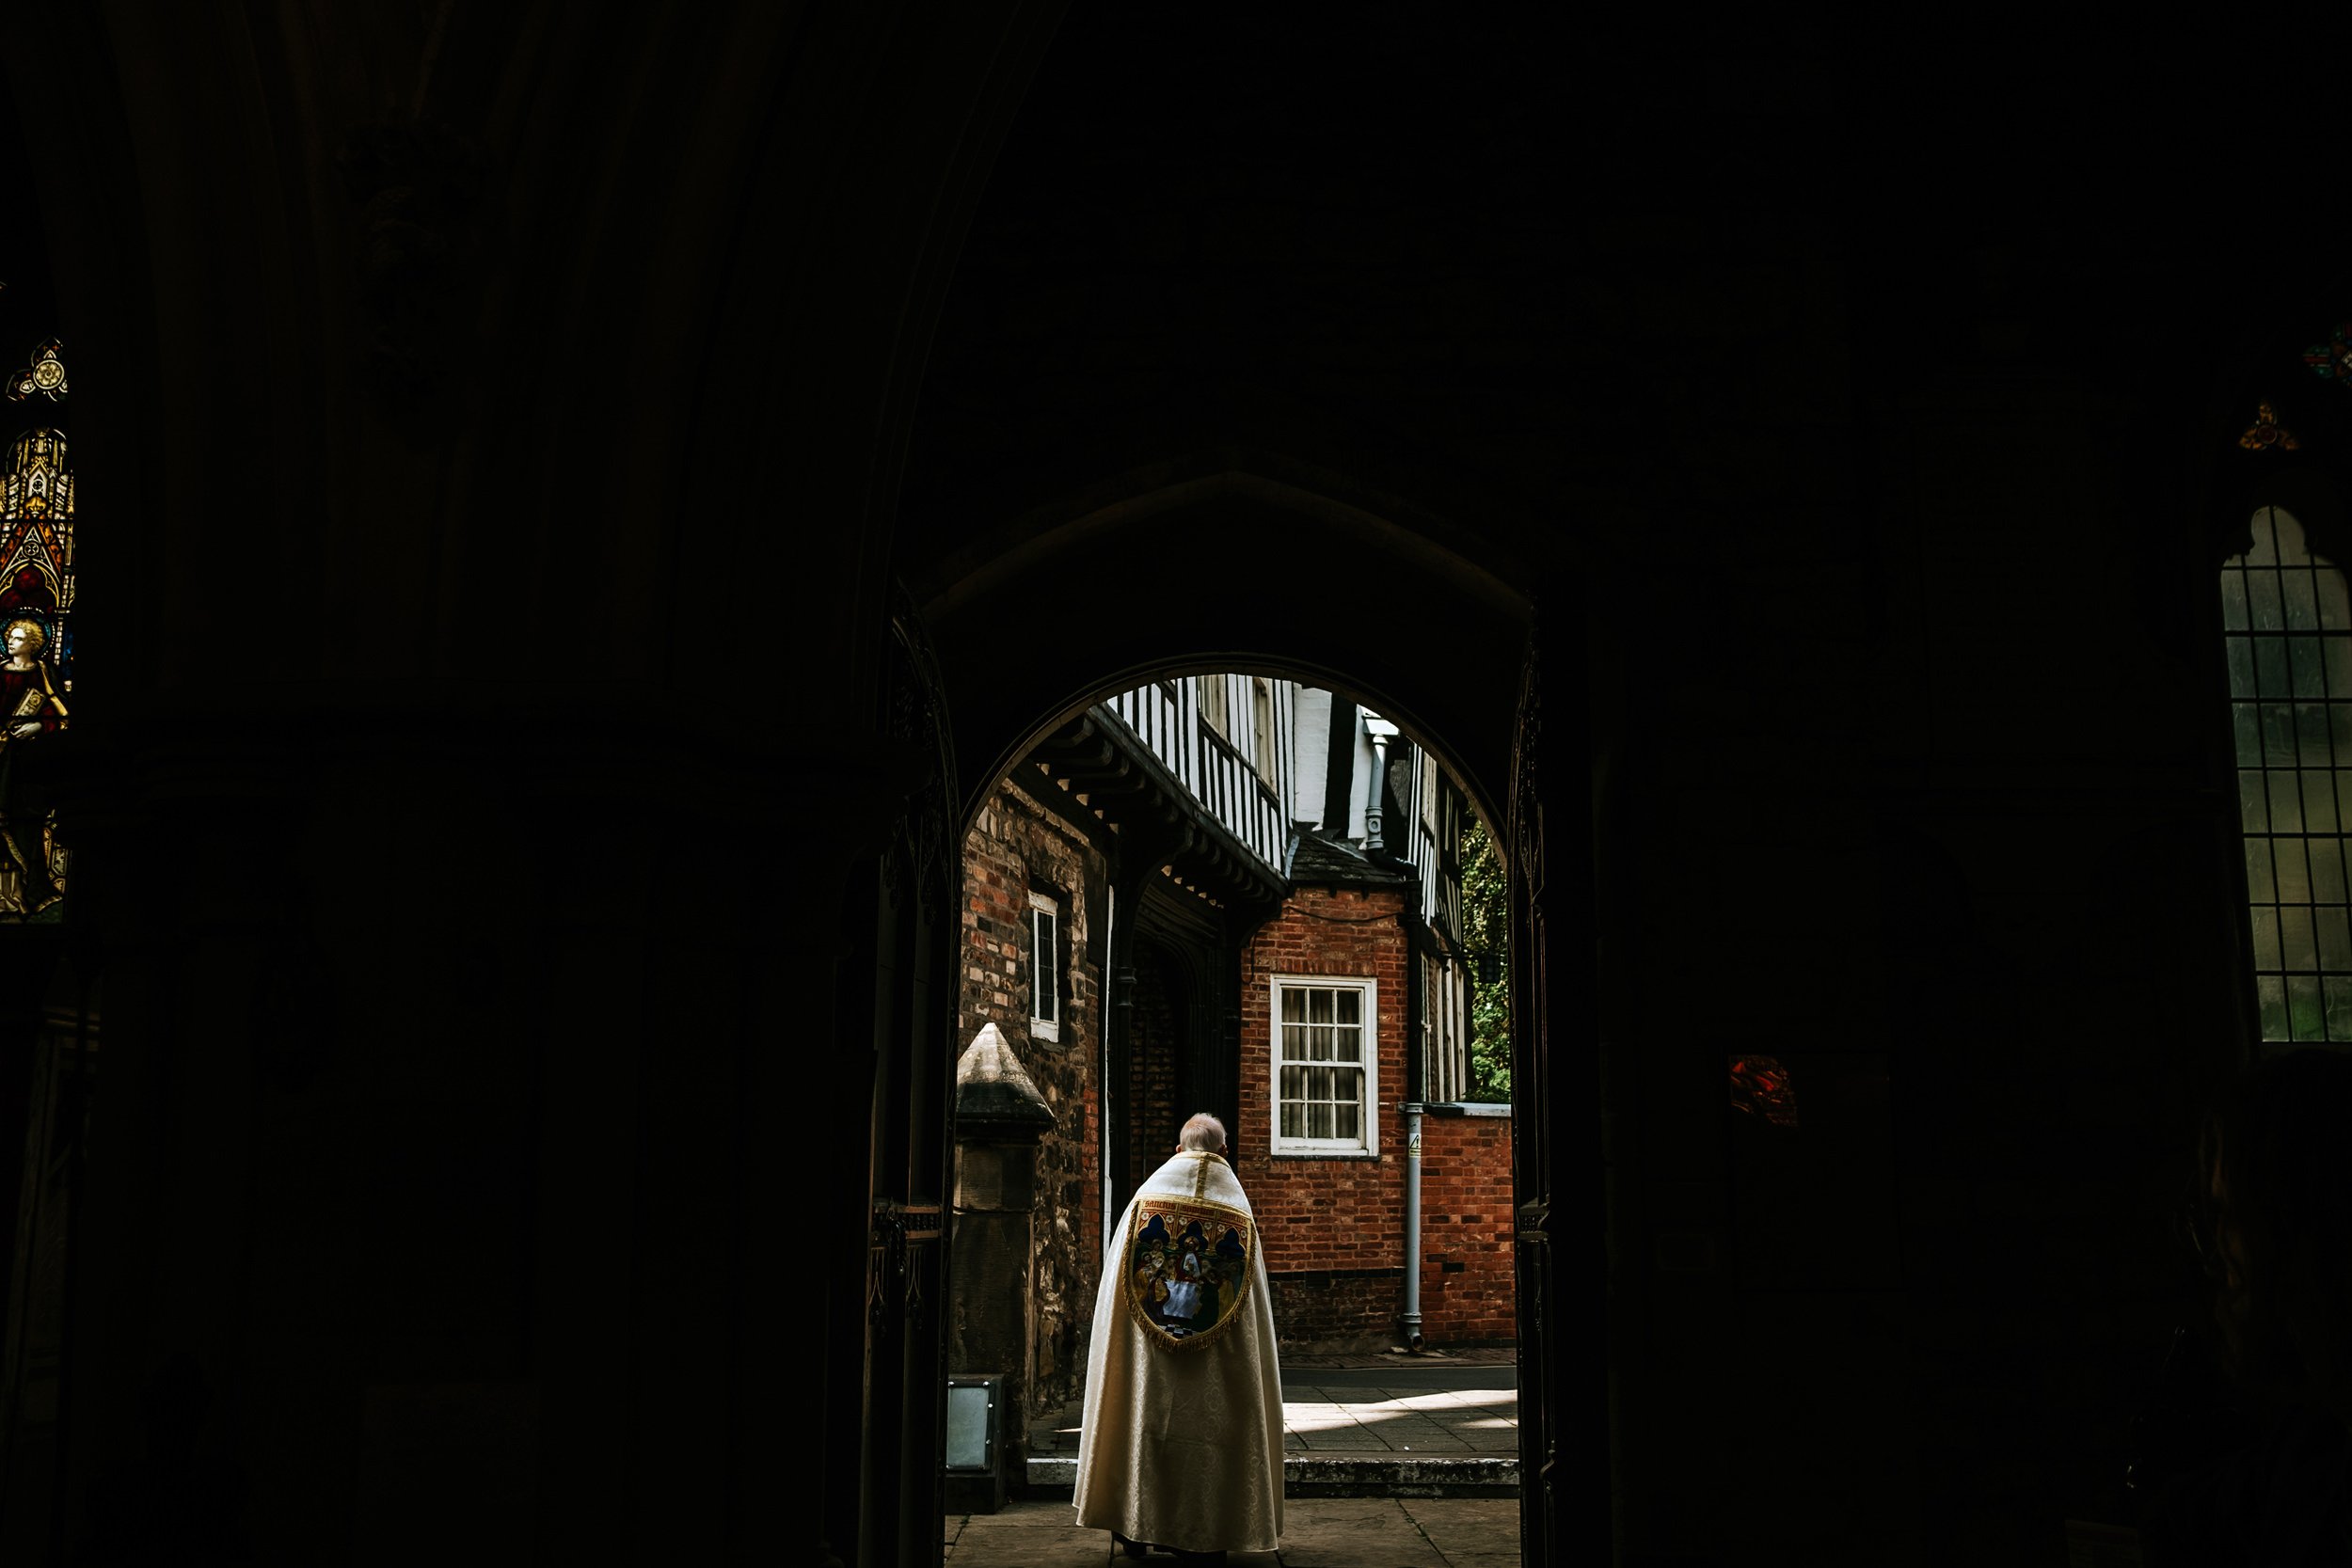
{"type": "Point", "coordinates": [43, 377]}
{"type": "Point", "coordinates": [2288, 624]}
{"type": "Point", "coordinates": [2332, 359]}
{"type": "Point", "coordinates": [37, 598]}
{"type": "Point", "coordinates": [1761, 1086]}
{"type": "Point", "coordinates": [2267, 434]}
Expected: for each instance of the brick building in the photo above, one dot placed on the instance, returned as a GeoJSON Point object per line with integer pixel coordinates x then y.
{"type": "Point", "coordinates": [1237, 893]}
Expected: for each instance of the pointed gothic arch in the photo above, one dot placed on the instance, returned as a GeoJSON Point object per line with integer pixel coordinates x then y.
{"type": "Point", "coordinates": [1481, 707]}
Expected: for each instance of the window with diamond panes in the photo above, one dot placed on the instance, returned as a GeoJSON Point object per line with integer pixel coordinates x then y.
{"type": "Point", "coordinates": [1326, 1062]}
{"type": "Point", "coordinates": [2288, 622]}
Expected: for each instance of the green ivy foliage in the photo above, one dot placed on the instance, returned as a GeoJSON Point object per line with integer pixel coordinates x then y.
{"type": "Point", "coordinates": [1486, 933]}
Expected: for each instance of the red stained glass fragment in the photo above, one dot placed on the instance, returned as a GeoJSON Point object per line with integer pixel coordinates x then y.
{"type": "Point", "coordinates": [1761, 1086]}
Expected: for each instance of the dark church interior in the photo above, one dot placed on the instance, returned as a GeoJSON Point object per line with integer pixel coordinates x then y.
{"type": "Point", "coordinates": [581, 501]}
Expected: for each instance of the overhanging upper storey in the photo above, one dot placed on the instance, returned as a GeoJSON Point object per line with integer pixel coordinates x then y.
{"type": "Point", "coordinates": [1156, 767]}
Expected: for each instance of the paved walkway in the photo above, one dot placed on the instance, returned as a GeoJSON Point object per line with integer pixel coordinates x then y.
{"type": "Point", "coordinates": [1317, 1533]}
{"type": "Point", "coordinates": [1390, 1462]}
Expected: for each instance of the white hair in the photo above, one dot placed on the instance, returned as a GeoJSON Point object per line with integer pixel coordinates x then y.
{"type": "Point", "coordinates": [1202, 1133]}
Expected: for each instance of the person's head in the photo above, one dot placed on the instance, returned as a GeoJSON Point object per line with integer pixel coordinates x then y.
{"type": "Point", "coordinates": [26, 638]}
{"type": "Point", "coordinates": [2275, 1228]}
{"type": "Point", "coordinates": [1202, 1135]}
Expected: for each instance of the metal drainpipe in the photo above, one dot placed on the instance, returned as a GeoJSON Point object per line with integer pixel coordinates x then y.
{"type": "Point", "coordinates": [1417, 1053]}
{"type": "Point", "coordinates": [1416, 1086]}
{"type": "Point", "coordinates": [1412, 1226]}
{"type": "Point", "coordinates": [1106, 1010]}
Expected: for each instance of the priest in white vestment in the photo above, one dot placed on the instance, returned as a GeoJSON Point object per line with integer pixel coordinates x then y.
{"type": "Point", "coordinates": [1182, 1445]}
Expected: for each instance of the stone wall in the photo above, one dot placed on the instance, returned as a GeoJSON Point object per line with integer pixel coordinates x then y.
{"type": "Point", "coordinates": [1017, 845]}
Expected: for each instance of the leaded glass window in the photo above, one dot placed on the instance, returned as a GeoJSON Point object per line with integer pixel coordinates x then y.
{"type": "Point", "coordinates": [1326, 1064]}
{"type": "Point", "coordinates": [37, 523]}
{"type": "Point", "coordinates": [2288, 623]}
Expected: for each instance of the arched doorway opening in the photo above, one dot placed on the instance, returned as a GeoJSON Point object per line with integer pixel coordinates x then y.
{"type": "Point", "coordinates": [1133, 450]}
{"type": "Point", "coordinates": [1403, 621]}
{"type": "Point", "coordinates": [1237, 893]}
{"type": "Point", "coordinates": [1259, 898]}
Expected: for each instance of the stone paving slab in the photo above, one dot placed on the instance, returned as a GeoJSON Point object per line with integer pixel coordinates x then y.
{"type": "Point", "coordinates": [1410, 1436]}
{"type": "Point", "coordinates": [1330, 1532]}
{"type": "Point", "coordinates": [1469, 1532]}
{"type": "Point", "coordinates": [1354, 1532]}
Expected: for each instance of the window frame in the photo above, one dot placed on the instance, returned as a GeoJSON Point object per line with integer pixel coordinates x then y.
{"type": "Point", "coordinates": [1262, 725]}
{"type": "Point", "coordinates": [1214, 699]}
{"type": "Point", "coordinates": [2298, 948]}
{"type": "Point", "coordinates": [1045, 976]}
{"type": "Point", "coordinates": [1368, 1145]}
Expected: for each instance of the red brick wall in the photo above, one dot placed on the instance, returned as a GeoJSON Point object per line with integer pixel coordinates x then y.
{"type": "Point", "coordinates": [1333, 1226]}
{"type": "Point", "coordinates": [1014, 842]}
{"type": "Point", "coordinates": [1467, 1290]}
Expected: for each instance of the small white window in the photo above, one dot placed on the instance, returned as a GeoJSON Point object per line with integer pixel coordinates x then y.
{"type": "Point", "coordinates": [1045, 968]}
{"type": "Point", "coordinates": [1327, 1065]}
{"type": "Point", "coordinates": [1213, 711]}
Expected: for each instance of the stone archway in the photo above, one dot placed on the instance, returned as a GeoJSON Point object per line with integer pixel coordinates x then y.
{"type": "Point", "coordinates": [1482, 712]}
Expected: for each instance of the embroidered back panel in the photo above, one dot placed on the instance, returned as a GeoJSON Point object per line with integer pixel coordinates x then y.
{"type": "Point", "coordinates": [1188, 1269]}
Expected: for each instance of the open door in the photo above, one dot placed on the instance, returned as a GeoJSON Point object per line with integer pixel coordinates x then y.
{"type": "Point", "coordinates": [884, 1358]}
{"type": "Point", "coordinates": [1551, 877]}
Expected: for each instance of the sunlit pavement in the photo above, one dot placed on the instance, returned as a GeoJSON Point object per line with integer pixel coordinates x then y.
{"type": "Point", "coordinates": [1424, 1426]}
{"type": "Point", "coordinates": [1389, 1462]}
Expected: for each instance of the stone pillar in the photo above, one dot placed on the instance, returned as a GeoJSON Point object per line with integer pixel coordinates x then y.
{"type": "Point", "coordinates": [992, 1304]}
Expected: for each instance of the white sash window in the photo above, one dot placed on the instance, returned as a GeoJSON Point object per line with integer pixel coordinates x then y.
{"type": "Point", "coordinates": [1327, 1064]}
{"type": "Point", "coordinates": [1045, 968]}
